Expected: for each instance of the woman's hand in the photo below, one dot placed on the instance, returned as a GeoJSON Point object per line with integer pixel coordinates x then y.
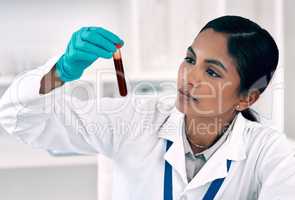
{"type": "Point", "coordinates": [85, 46]}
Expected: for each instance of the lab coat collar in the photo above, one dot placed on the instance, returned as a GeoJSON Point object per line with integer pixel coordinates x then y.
{"type": "Point", "coordinates": [172, 130]}
{"type": "Point", "coordinates": [233, 149]}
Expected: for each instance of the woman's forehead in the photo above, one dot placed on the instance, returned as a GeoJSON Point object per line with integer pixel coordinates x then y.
{"type": "Point", "coordinates": [210, 44]}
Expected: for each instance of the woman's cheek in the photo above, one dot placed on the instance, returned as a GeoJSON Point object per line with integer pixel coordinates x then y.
{"type": "Point", "coordinates": [226, 100]}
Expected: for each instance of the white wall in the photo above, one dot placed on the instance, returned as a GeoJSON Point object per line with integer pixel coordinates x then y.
{"type": "Point", "coordinates": [32, 31]}
{"type": "Point", "coordinates": [289, 32]}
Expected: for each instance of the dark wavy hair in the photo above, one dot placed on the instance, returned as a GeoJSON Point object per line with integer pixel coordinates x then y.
{"type": "Point", "coordinates": [254, 51]}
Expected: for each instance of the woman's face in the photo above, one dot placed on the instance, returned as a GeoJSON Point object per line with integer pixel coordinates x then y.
{"type": "Point", "coordinates": [208, 81]}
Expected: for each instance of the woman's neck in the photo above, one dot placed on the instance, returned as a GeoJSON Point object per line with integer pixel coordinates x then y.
{"type": "Point", "coordinates": [203, 132]}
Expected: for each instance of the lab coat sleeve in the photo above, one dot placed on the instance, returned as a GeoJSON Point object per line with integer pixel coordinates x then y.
{"type": "Point", "coordinates": [60, 122]}
{"type": "Point", "coordinates": [277, 170]}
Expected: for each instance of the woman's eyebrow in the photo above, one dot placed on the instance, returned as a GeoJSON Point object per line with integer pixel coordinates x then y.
{"type": "Point", "coordinates": [216, 62]}
{"type": "Point", "coordinates": [210, 61]}
{"type": "Point", "coordinates": [190, 49]}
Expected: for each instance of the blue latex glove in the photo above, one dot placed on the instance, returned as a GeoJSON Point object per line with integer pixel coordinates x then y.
{"type": "Point", "coordinates": [85, 46]}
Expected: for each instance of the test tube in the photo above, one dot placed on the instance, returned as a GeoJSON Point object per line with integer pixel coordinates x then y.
{"type": "Point", "coordinates": [120, 71]}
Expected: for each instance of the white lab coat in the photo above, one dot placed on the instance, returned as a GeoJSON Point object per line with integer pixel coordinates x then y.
{"type": "Point", "coordinates": [133, 130]}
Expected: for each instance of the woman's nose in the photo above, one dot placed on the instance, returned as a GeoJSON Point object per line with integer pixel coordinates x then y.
{"type": "Point", "coordinates": [194, 76]}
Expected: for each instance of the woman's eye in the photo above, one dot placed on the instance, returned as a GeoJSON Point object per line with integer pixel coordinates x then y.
{"type": "Point", "coordinates": [190, 60]}
{"type": "Point", "coordinates": [212, 73]}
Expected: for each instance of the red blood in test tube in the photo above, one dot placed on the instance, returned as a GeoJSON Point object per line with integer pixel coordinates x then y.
{"type": "Point", "coordinates": [120, 71]}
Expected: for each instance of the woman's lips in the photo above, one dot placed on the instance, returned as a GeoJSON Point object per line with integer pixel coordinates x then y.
{"type": "Point", "coordinates": [187, 95]}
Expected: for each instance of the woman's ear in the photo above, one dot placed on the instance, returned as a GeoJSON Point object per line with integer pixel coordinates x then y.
{"type": "Point", "coordinates": [246, 100]}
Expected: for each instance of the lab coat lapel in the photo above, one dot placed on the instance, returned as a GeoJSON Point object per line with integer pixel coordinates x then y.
{"type": "Point", "coordinates": [216, 167]}
{"type": "Point", "coordinates": [172, 130]}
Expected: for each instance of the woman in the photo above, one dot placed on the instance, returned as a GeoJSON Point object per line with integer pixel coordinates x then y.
{"type": "Point", "coordinates": [207, 145]}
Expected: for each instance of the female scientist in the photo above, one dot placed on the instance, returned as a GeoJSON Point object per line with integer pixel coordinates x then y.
{"type": "Point", "coordinates": [205, 145]}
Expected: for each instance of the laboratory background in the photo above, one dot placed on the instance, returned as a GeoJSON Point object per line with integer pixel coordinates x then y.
{"type": "Point", "coordinates": [156, 35]}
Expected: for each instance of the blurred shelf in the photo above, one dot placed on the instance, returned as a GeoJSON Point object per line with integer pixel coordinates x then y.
{"type": "Point", "coordinates": [6, 80]}
{"type": "Point", "coordinates": [14, 154]}
{"type": "Point", "coordinates": [292, 141]}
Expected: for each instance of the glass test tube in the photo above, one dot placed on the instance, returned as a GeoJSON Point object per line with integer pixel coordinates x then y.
{"type": "Point", "coordinates": [120, 71]}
